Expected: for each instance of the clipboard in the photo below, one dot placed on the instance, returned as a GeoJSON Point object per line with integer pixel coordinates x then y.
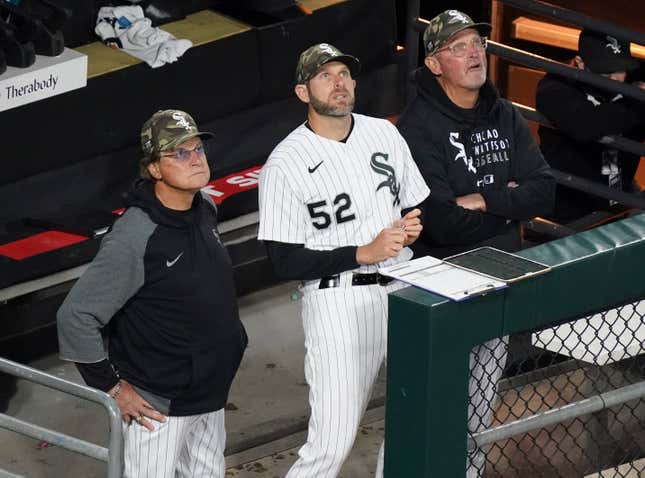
{"type": "Point", "coordinates": [466, 275]}
{"type": "Point", "coordinates": [443, 278]}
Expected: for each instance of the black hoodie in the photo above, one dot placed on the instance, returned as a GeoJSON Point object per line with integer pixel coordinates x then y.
{"type": "Point", "coordinates": [164, 282]}
{"type": "Point", "coordinates": [464, 151]}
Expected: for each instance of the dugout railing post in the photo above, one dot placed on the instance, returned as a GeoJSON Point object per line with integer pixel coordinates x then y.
{"type": "Point", "coordinates": [113, 455]}
{"type": "Point", "coordinates": [430, 338]}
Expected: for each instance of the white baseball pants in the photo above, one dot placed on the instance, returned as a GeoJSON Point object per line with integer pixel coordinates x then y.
{"type": "Point", "coordinates": [181, 447]}
{"type": "Point", "coordinates": [345, 338]}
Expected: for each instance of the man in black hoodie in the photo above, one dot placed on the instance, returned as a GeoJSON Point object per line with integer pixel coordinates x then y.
{"type": "Point", "coordinates": [161, 290]}
{"type": "Point", "coordinates": [474, 149]}
{"type": "Point", "coordinates": [582, 114]}
{"type": "Point", "coordinates": [485, 173]}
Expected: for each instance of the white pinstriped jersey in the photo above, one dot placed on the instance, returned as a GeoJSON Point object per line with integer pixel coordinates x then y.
{"type": "Point", "coordinates": [327, 194]}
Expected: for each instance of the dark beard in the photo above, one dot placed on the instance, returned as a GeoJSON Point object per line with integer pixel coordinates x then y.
{"type": "Point", "coordinates": [325, 109]}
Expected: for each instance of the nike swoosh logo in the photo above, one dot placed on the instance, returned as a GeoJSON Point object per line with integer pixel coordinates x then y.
{"type": "Point", "coordinates": [311, 170]}
{"type": "Point", "coordinates": [172, 263]}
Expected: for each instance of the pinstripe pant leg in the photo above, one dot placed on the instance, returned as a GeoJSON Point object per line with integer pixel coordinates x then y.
{"type": "Point", "coordinates": [203, 453]}
{"type": "Point", "coordinates": [153, 454]}
{"type": "Point", "coordinates": [487, 362]}
{"type": "Point", "coordinates": [345, 346]}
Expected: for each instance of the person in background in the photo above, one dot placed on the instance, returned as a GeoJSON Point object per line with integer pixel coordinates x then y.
{"type": "Point", "coordinates": [583, 114]}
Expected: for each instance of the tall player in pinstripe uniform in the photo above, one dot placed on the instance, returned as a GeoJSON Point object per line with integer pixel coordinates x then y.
{"type": "Point", "coordinates": [331, 195]}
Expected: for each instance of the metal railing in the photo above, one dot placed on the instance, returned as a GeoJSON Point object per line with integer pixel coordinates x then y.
{"type": "Point", "coordinates": [551, 66]}
{"type": "Point", "coordinates": [113, 455]}
{"type": "Point", "coordinates": [565, 421]}
{"type": "Point", "coordinates": [618, 142]}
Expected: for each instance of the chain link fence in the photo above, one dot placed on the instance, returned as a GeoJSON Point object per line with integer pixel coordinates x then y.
{"type": "Point", "coordinates": [544, 369]}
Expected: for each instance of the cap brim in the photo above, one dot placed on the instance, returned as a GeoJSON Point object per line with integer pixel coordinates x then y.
{"type": "Point", "coordinates": [351, 61]}
{"type": "Point", "coordinates": [483, 28]}
{"type": "Point", "coordinates": [612, 64]}
{"type": "Point", "coordinates": [177, 141]}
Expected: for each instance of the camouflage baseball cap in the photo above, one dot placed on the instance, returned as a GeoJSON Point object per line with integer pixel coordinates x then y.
{"type": "Point", "coordinates": [166, 129]}
{"type": "Point", "coordinates": [442, 27]}
{"type": "Point", "coordinates": [316, 56]}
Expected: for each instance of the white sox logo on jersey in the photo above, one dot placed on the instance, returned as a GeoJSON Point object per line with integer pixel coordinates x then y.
{"type": "Point", "coordinates": [461, 153]}
{"type": "Point", "coordinates": [387, 171]}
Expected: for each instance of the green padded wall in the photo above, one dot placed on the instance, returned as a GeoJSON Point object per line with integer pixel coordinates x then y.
{"type": "Point", "coordinates": [429, 339]}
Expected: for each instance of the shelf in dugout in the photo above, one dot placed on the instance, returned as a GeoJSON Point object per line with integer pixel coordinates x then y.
{"type": "Point", "coordinates": [200, 28]}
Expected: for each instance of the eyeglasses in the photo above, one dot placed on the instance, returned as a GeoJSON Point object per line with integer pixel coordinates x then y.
{"type": "Point", "coordinates": [460, 49]}
{"type": "Point", "coordinates": [183, 155]}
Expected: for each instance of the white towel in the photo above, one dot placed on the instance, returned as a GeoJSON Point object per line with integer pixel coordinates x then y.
{"type": "Point", "coordinates": [127, 29]}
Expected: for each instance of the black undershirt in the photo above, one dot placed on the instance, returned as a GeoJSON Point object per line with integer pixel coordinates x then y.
{"type": "Point", "coordinates": [295, 262]}
{"type": "Point", "coordinates": [99, 375]}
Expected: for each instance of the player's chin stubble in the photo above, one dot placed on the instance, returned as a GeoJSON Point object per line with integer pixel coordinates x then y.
{"type": "Point", "coordinates": [326, 109]}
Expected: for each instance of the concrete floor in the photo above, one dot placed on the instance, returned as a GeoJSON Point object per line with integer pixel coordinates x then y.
{"type": "Point", "coordinates": [268, 403]}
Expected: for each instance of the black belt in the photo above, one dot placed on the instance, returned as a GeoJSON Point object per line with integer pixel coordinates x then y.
{"type": "Point", "coordinates": [357, 279]}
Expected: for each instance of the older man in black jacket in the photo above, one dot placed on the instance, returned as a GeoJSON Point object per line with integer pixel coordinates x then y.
{"type": "Point", "coordinates": [485, 173]}
{"type": "Point", "coordinates": [474, 149]}
{"type": "Point", "coordinates": [161, 289]}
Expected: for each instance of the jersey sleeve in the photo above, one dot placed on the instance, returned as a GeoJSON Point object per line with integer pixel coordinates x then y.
{"type": "Point", "coordinates": [281, 210]}
{"type": "Point", "coordinates": [413, 187]}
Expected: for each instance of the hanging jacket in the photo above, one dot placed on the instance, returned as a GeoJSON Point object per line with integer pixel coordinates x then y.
{"type": "Point", "coordinates": [463, 151]}
{"type": "Point", "coordinates": [161, 289]}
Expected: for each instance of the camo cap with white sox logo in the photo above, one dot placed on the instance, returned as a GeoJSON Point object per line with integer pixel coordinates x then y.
{"type": "Point", "coordinates": [316, 56]}
{"type": "Point", "coordinates": [167, 129]}
{"type": "Point", "coordinates": [447, 24]}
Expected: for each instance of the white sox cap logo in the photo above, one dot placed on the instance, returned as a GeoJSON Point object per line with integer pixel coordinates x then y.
{"type": "Point", "coordinates": [458, 16]}
{"type": "Point", "coordinates": [613, 44]}
{"type": "Point", "coordinates": [181, 120]}
{"type": "Point", "coordinates": [327, 49]}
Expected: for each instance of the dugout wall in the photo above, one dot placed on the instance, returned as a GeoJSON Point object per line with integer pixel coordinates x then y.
{"type": "Point", "coordinates": [430, 339]}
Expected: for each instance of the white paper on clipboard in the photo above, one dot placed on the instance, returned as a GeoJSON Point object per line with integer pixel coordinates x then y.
{"type": "Point", "coordinates": [435, 275]}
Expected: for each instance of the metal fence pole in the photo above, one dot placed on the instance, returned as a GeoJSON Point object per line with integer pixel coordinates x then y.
{"type": "Point", "coordinates": [6, 474]}
{"type": "Point", "coordinates": [114, 455]}
{"type": "Point", "coordinates": [536, 61]}
{"type": "Point", "coordinates": [558, 415]}
{"type": "Point", "coordinates": [624, 144]}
